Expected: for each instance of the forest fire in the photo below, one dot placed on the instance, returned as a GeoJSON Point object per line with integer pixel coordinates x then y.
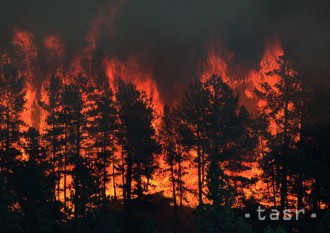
{"type": "Point", "coordinates": [130, 71]}
{"type": "Point", "coordinates": [244, 86]}
{"type": "Point", "coordinates": [24, 44]}
{"type": "Point", "coordinates": [123, 114]}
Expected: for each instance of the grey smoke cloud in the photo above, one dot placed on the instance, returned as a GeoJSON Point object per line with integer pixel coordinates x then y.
{"type": "Point", "coordinates": [171, 37]}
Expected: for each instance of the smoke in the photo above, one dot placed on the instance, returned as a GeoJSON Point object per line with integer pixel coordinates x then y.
{"type": "Point", "coordinates": [170, 38]}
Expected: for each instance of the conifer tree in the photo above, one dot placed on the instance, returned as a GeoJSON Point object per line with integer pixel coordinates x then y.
{"type": "Point", "coordinates": [34, 182]}
{"type": "Point", "coordinates": [171, 141]}
{"type": "Point", "coordinates": [54, 128]}
{"type": "Point", "coordinates": [84, 182]}
{"type": "Point", "coordinates": [229, 139]}
{"type": "Point", "coordinates": [193, 111]}
{"type": "Point", "coordinates": [138, 137]}
{"type": "Point", "coordinates": [280, 109]}
{"type": "Point", "coordinates": [12, 101]}
{"type": "Point", "coordinates": [102, 120]}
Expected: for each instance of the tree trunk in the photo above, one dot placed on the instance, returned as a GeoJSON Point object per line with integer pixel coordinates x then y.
{"type": "Point", "coordinates": [114, 177]}
{"type": "Point", "coordinates": [174, 200]}
{"type": "Point", "coordinates": [199, 171]}
{"type": "Point", "coordinates": [53, 155]}
{"type": "Point", "coordinates": [104, 154]}
{"type": "Point", "coordinates": [65, 166]}
{"type": "Point", "coordinates": [129, 179]}
{"type": "Point", "coordinates": [139, 181]}
{"type": "Point", "coordinates": [7, 159]}
{"type": "Point", "coordinates": [180, 182]}
{"type": "Point", "coordinates": [284, 188]}
{"type": "Point", "coordinates": [301, 149]}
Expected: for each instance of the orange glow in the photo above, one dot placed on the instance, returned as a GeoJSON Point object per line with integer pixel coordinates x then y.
{"type": "Point", "coordinates": [53, 44]}
{"type": "Point", "coordinates": [268, 63]}
{"type": "Point", "coordinates": [255, 78]}
{"type": "Point", "coordinates": [162, 182]}
{"type": "Point", "coordinates": [219, 63]}
{"type": "Point", "coordinates": [23, 42]}
{"type": "Point", "coordinates": [131, 71]}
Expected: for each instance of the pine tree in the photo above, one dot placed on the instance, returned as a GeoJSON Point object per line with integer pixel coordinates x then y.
{"type": "Point", "coordinates": [229, 139]}
{"type": "Point", "coordinates": [10, 219]}
{"type": "Point", "coordinates": [138, 137]}
{"type": "Point", "coordinates": [193, 109]}
{"type": "Point", "coordinates": [12, 101]}
{"type": "Point", "coordinates": [280, 109]}
{"type": "Point", "coordinates": [313, 147]}
{"type": "Point", "coordinates": [246, 152]}
{"type": "Point", "coordinates": [84, 182]}
{"type": "Point", "coordinates": [170, 139]}
{"type": "Point", "coordinates": [54, 128]}
{"type": "Point", "coordinates": [34, 182]}
{"type": "Point", "coordinates": [102, 120]}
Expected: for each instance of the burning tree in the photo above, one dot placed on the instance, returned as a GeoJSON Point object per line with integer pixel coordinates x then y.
{"type": "Point", "coordinates": [231, 140]}
{"type": "Point", "coordinates": [53, 128]}
{"type": "Point", "coordinates": [138, 139]}
{"type": "Point", "coordinates": [193, 111]}
{"type": "Point", "coordinates": [279, 107]}
{"type": "Point", "coordinates": [35, 192]}
{"type": "Point", "coordinates": [84, 181]}
{"type": "Point", "coordinates": [12, 93]}
{"type": "Point", "coordinates": [102, 128]}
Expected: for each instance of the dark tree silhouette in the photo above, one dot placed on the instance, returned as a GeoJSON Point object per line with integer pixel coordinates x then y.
{"type": "Point", "coordinates": [75, 155]}
{"type": "Point", "coordinates": [102, 118]}
{"type": "Point", "coordinates": [12, 93]}
{"type": "Point", "coordinates": [54, 128]}
{"type": "Point", "coordinates": [280, 108]}
{"type": "Point", "coordinates": [171, 140]}
{"type": "Point", "coordinates": [138, 137]}
{"type": "Point", "coordinates": [193, 110]}
{"type": "Point", "coordinates": [231, 137]}
{"type": "Point", "coordinates": [84, 182]}
{"type": "Point", "coordinates": [34, 184]}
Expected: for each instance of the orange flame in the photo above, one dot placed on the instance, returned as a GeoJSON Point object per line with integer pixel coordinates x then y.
{"type": "Point", "coordinates": [219, 63]}
{"type": "Point", "coordinates": [131, 71]}
{"type": "Point", "coordinates": [23, 41]}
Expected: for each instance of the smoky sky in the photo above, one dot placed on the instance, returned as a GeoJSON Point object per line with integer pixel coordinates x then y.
{"type": "Point", "coordinates": [171, 37]}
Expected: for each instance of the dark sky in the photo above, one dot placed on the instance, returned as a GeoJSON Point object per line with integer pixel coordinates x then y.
{"type": "Point", "coordinates": [171, 36]}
